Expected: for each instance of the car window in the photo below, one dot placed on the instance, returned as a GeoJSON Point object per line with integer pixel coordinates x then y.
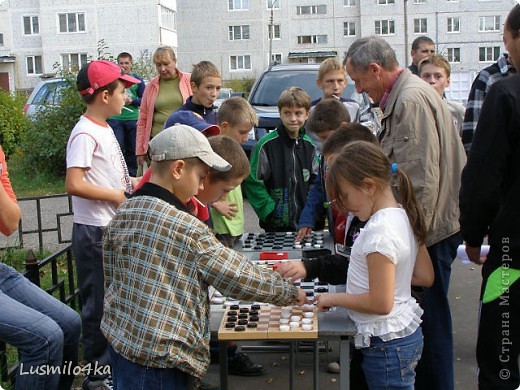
{"type": "Point", "coordinates": [224, 94]}
{"type": "Point", "coordinates": [274, 83]}
{"type": "Point", "coordinates": [49, 93]}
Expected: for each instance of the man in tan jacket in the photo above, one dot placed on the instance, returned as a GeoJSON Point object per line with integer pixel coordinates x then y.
{"type": "Point", "coordinates": [418, 134]}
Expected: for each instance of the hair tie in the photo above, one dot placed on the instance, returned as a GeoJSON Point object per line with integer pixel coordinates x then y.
{"type": "Point", "coordinates": [394, 167]}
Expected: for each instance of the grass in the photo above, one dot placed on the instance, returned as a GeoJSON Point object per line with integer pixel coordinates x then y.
{"type": "Point", "coordinates": [32, 183]}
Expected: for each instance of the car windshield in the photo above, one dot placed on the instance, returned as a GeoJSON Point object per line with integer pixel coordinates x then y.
{"type": "Point", "coordinates": [274, 83]}
{"type": "Point", "coordinates": [49, 93]}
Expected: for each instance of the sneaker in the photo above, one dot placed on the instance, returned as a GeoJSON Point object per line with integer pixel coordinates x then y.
{"type": "Point", "coordinates": [241, 365]}
{"type": "Point", "coordinates": [208, 385]}
{"type": "Point", "coordinates": [98, 384]}
{"type": "Point", "coordinates": [333, 368]}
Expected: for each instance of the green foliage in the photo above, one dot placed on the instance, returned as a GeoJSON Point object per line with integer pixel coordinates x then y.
{"type": "Point", "coordinates": [12, 120]}
{"type": "Point", "coordinates": [144, 66]}
{"type": "Point", "coordinates": [32, 182]}
{"type": "Point", "coordinates": [45, 141]}
{"type": "Point", "coordinates": [241, 85]}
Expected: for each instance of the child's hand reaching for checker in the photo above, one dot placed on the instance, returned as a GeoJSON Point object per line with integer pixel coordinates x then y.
{"type": "Point", "coordinates": [302, 297]}
{"type": "Point", "coordinates": [324, 302]}
{"type": "Point", "coordinates": [293, 270]}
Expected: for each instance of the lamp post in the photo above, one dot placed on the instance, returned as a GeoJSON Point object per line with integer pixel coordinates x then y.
{"type": "Point", "coordinates": [271, 25]}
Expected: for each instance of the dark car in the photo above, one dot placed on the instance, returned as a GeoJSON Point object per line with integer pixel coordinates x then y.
{"type": "Point", "coordinates": [273, 81]}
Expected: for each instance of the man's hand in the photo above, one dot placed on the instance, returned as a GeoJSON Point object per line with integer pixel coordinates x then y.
{"type": "Point", "coordinates": [474, 255]}
{"type": "Point", "coordinates": [292, 270]}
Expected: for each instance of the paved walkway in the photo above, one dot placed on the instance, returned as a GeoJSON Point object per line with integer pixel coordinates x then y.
{"type": "Point", "coordinates": [465, 284]}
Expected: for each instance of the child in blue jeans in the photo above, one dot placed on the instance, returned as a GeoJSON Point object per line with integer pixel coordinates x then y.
{"type": "Point", "coordinates": [387, 257]}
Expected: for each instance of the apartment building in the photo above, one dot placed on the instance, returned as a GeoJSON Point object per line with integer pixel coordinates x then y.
{"type": "Point", "coordinates": [240, 36]}
{"type": "Point", "coordinates": [37, 34]}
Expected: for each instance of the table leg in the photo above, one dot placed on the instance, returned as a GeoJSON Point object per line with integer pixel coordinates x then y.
{"type": "Point", "coordinates": [344, 362]}
{"type": "Point", "coordinates": [316, 364]}
{"type": "Point", "coordinates": [223, 361]}
{"type": "Point", "coordinates": [291, 365]}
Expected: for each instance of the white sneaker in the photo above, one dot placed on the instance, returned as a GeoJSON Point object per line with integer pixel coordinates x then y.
{"type": "Point", "coordinates": [333, 368]}
{"type": "Point", "coordinates": [102, 384]}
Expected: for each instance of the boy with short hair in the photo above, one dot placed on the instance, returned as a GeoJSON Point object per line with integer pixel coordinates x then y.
{"type": "Point", "coordinates": [97, 178]}
{"type": "Point", "coordinates": [284, 164]}
{"type": "Point", "coordinates": [323, 121]}
{"type": "Point", "coordinates": [236, 118]}
{"type": "Point", "coordinates": [206, 83]}
{"type": "Point", "coordinates": [436, 71]}
{"type": "Point", "coordinates": [159, 262]}
{"type": "Point", "coordinates": [332, 80]}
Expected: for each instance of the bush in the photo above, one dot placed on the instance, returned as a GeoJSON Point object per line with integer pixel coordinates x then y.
{"type": "Point", "coordinates": [45, 141]}
{"type": "Point", "coordinates": [13, 122]}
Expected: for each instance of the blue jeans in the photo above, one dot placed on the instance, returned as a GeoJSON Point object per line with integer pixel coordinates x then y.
{"type": "Point", "coordinates": [45, 330]}
{"type": "Point", "coordinates": [435, 371]}
{"type": "Point", "coordinates": [391, 364]}
{"type": "Point", "coordinates": [129, 375]}
{"type": "Point", "coordinates": [125, 132]}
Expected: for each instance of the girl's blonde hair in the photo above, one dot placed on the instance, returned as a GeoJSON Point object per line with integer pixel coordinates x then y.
{"type": "Point", "coordinates": [360, 160]}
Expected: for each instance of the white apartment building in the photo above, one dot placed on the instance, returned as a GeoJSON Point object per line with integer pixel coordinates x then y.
{"type": "Point", "coordinates": [36, 34]}
{"type": "Point", "coordinates": [235, 34]}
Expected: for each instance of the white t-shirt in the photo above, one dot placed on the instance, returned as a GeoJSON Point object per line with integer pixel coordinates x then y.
{"type": "Point", "coordinates": [95, 147]}
{"type": "Point", "coordinates": [388, 232]}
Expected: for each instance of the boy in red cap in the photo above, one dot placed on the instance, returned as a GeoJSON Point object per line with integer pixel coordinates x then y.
{"type": "Point", "coordinates": [97, 178]}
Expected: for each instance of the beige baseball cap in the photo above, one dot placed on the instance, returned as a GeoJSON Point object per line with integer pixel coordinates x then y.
{"type": "Point", "coordinates": [182, 141]}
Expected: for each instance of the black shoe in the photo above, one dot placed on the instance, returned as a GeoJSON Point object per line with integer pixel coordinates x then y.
{"type": "Point", "coordinates": [241, 365]}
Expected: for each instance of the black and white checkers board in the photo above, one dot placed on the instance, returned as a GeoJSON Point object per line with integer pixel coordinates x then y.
{"type": "Point", "coordinates": [252, 244]}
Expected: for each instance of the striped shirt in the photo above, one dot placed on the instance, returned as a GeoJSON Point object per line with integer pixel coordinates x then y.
{"type": "Point", "coordinates": [158, 262]}
{"type": "Point", "coordinates": [480, 87]}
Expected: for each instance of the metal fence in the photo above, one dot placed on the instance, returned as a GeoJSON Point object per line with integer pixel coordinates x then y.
{"type": "Point", "coordinates": [64, 289]}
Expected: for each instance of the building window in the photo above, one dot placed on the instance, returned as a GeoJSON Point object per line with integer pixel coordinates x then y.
{"type": "Point", "coordinates": [238, 5]}
{"type": "Point", "coordinates": [420, 26]}
{"type": "Point", "coordinates": [276, 57]}
{"type": "Point", "coordinates": [453, 54]}
{"type": "Point", "coordinates": [34, 65]}
{"type": "Point", "coordinates": [349, 29]}
{"type": "Point", "coordinates": [73, 61]}
{"type": "Point", "coordinates": [384, 2]}
{"type": "Point", "coordinates": [276, 31]}
{"type": "Point", "coordinates": [238, 32]}
{"type": "Point", "coordinates": [453, 24]}
{"type": "Point", "coordinates": [73, 22]}
{"type": "Point", "coordinates": [488, 23]}
{"type": "Point", "coordinates": [488, 54]}
{"type": "Point", "coordinates": [311, 9]}
{"type": "Point", "coordinates": [273, 4]}
{"type": "Point", "coordinates": [303, 39]}
{"type": "Point", "coordinates": [31, 25]}
{"type": "Point", "coordinates": [240, 62]}
{"type": "Point", "coordinates": [385, 27]}
{"type": "Point", "coordinates": [1, 39]}
{"type": "Point", "coordinates": [349, 3]}
{"type": "Point", "coordinates": [168, 18]}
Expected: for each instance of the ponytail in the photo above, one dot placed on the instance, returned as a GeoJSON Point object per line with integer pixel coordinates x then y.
{"type": "Point", "coordinates": [406, 197]}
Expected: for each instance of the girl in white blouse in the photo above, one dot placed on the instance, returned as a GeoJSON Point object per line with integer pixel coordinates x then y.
{"type": "Point", "coordinates": [387, 258]}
